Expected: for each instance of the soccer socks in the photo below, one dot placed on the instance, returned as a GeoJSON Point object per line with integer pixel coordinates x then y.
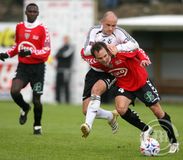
{"type": "Point", "coordinates": [18, 99]}
{"type": "Point", "coordinates": [37, 115]}
{"type": "Point", "coordinates": [104, 114]}
{"type": "Point", "coordinates": [166, 124]}
{"type": "Point", "coordinates": [93, 107]}
{"type": "Point", "coordinates": [132, 118]}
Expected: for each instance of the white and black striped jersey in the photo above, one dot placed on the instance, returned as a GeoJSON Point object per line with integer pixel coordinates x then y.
{"type": "Point", "coordinates": [120, 38]}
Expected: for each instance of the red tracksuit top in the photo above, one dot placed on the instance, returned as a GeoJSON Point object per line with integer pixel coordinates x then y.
{"type": "Point", "coordinates": [34, 37]}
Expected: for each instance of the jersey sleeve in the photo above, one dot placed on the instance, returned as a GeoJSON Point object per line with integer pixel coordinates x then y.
{"type": "Point", "coordinates": [141, 55]}
{"type": "Point", "coordinates": [44, 52]}
{"type": "Point", "coordinates": [14, 50]}
{"type": "Point", "coordinates": [127, 43]}
{"type": "Point", "coordinates": [89, 41]}
{"type": "Point", "coordinates": [138, 53]}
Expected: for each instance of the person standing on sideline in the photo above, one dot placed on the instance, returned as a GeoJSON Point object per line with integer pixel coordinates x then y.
{"type": "Point", "coordinates": [133, 82]}
{"type": "Point", "coordinates": [96, 80]}
{"type": "Point", "coordinates": [64, 59]}
{"type": "Point", "coordinates": [32, 45]}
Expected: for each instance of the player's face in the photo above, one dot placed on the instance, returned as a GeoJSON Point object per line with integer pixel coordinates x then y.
{"type": "Point", "coordinates": [109, 26]}
{"type": "Point", "coordinates": [103, 57]}
{"type": "Point", "coordinates": [32, 12]}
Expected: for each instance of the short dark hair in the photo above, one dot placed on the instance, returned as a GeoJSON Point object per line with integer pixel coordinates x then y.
{"type": "Point", "coordinates": [32, 4]}
{"type": "Point", "coordinates": [97, 47]}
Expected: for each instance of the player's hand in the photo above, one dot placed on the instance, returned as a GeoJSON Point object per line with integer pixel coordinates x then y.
{"type": "Point", "coordinates": [113, 49]}
{"type": "Point", "coordinates": [3, 56]}
{"type": "Point", "coordinates": [24, 53]}
{"type": "Point", "coordinates": [145, 63]}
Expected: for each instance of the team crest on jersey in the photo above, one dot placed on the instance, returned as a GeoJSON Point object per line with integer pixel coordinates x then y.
{"type": "Point", "coordinates": [27, 35]}
{"type": "Point", "coordinates": [109, 41]}
{"type": "Point", "coordinates": [117, 62]}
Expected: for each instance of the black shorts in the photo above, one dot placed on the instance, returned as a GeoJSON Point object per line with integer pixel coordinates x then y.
{"type": "Point", "coordinates": [92, 77]}
{"type": "Point", "coordinates": [148, 94]}
{"type": "Point", "coordinates": [33, 74]}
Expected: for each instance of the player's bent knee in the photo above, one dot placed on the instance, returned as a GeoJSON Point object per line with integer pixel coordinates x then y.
{"type": "Point", "coordinates": [99, 89]}
{"type": "Point", "coordinates": [121, 110]}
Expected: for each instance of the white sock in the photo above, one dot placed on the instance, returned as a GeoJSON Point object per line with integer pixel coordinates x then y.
{"type": "Point", "coordinates": [92, 111]}
{"type": "Point", "coordinates": [104, 114]}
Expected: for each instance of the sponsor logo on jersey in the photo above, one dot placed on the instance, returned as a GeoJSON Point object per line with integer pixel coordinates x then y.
{"type": "Point", "coordinates": [119, 72]}
{"type": "Point", "coordinates": [26, 45]}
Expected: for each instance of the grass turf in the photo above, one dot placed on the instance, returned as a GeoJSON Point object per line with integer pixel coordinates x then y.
{"type": "Point", "coordinates": [61, 139]}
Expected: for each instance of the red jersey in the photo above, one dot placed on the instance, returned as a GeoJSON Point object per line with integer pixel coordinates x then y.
{"type": "Point", "coordinates": [127, 70]}
{"type": "Point", "coordinates": [34, 37]}
{"type": "Point", "coordinates": [125, 66]}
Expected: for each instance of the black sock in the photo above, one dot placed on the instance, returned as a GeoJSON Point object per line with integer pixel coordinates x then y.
{"type": "Point", "coordinates": [166, 124]}
{"type": "Point", "coordinates": [18, 99]}
{"type": "Point", "coordinates": [132, 118]}
{"type": "Point", "coordinates": [38, 115]}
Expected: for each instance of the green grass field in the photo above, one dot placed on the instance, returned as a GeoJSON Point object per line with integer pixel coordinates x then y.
{"type": "Point", "coordinates": [61, 138]}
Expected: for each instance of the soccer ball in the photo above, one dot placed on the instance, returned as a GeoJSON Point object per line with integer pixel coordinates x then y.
{"type": "Point", "coordinates": [150, 147]}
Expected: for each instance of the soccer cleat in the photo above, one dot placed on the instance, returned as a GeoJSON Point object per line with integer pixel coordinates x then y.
{"type": "Point", "coordinates": [85, 129]}
{"type": "Point", "coordinates": [146, 134]}
{"type": "Point", "coordinates": [37, 130]}
{"type": "Point", "coordinates": [23, 116]}
{"type": "Point", "coordinates": [113, 123]}
{"type": "Point", "coordinates": [174, 147]}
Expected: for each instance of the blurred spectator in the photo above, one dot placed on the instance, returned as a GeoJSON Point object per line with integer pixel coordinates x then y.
{"type": "Point", "coordinates": [64, 58]}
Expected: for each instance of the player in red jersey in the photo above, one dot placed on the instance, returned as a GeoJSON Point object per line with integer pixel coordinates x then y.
{"type": "Point", "coordinates": [32, 45]}
{"type": "Point", "coordinates": [133, 118]}
{"type": "Point", "coordinates": [133, 82]}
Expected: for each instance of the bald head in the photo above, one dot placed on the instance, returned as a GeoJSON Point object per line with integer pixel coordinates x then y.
{"type": "Point", "coordinates": [109, 22]}
{"type": "Point", "coordinates": [110, 16]}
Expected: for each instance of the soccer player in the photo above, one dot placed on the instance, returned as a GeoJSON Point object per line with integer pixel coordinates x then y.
{"type": "Point", "coordinates": [133, 82]}
{"type": "Point", "coordinates": [32, 45]}
{"type": "Point", "coordinates": [96, 80]}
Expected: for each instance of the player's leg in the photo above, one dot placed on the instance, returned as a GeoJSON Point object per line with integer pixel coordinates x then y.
{"type": "Point", "coordinates": [95, 101]}
{"type": "Point", "coordinates": [95, 86]}
{"type": "Point", "coordinates": [37, 84]}
{"type": "Point", "coordinates": [18, 83]}
{"type": "Point", "coordinates": [101, 113]}
{"type": "Point", "coordinates": [90, 108]}
{"type": "Point", "coordinates": [165, 122]}
{"type": "Point", "coordinates": [105, 82]}
{"type": "Point", "coordinates": [38, 109]}
{"type": "Point", "coordinates": [122, 104]}
{"type": "Point", "coordinates": [122, 100]}
{"type": "Point", "coordinates": [150, 96]}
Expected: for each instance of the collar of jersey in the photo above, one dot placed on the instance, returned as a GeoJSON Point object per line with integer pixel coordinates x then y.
{"type": "Point", "coordinates": [31, 25]}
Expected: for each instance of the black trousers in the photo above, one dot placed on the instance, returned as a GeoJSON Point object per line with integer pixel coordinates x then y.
{"type": "Point", "coordinates": [62, 86]}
